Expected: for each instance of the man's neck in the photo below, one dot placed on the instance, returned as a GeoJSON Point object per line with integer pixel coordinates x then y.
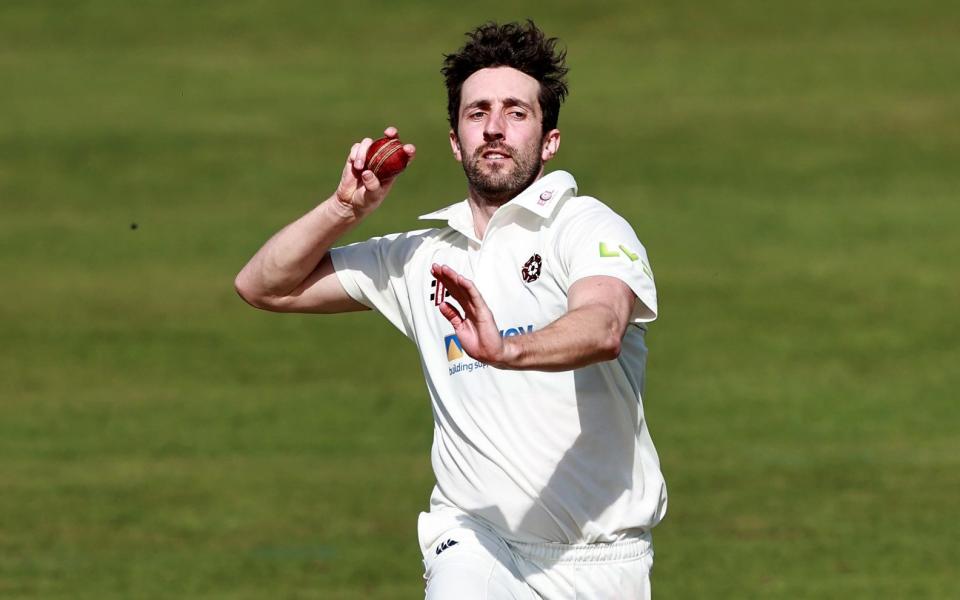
{"type": "Point", "coordinates": [482, 207]}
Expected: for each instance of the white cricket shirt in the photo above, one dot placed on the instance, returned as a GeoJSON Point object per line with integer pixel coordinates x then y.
{"type": "Point", "coordinates": [541, 457]}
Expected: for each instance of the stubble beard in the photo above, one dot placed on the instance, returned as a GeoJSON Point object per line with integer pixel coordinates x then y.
{"type": "Point", "coordinates": [499, 184]}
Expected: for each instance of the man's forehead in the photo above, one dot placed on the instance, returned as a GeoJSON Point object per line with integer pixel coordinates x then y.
{"type": "Point", "coordinates": [500, 84]}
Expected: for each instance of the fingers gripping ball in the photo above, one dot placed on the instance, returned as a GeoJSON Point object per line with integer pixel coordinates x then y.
{"type": "Point", "coordinates": [386, 158]}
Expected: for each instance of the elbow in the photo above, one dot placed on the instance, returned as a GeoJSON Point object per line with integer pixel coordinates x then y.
{"type": "Point", "coordinates": [243, 289]}
{"type": "Point", "coordinates": [610, 347]}
{"type": "Point", "coordinates": [611, 342]}
{"type": "Point", "coordinates": [248, 293]}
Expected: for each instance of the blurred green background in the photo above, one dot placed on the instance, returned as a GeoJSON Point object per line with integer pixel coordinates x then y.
{"type": "Point", "coordinates": [791, 167]}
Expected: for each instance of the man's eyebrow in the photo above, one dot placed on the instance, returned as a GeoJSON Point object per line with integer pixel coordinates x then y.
{"type": "Point", "coordinates": [510, 101]}
{"type": "Point", "coordinates": [482, 103]}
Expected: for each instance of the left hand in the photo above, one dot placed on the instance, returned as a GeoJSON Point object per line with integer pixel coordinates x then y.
{"type": "Point", "coordinates": [476, 327]}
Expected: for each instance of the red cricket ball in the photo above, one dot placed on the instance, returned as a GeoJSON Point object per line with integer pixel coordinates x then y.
{"type": "Point", "coordinates": [386, 158]}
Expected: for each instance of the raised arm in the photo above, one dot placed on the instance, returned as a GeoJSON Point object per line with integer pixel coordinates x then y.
{"type": "Point", "coordinates": [292, 272]}
{"type": "Point", "coordinates": [598, 311]}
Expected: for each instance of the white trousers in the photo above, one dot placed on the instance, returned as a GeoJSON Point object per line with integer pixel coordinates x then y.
{"type": "Point", "coordinates": [466, 560]}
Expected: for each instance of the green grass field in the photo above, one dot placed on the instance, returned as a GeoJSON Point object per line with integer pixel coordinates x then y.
{"type": "Point", "coordinates": [791, 167]}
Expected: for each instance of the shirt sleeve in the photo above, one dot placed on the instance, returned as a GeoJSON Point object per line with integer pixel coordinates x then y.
{"type": "Point", "coordinates": [594, 240]}
{"type": "Point", "coordinates": [373, 273]}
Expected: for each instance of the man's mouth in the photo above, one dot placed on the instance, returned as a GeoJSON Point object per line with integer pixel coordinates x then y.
{"type": "Point", "coordinates": [495, 155]}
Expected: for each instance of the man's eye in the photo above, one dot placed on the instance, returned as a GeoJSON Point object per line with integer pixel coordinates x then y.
{"type": "Point", "coordinates": [475, 115]}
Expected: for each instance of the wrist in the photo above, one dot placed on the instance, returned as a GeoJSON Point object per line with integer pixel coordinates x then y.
{"type": "Point", "coordinates": [342, 210]}
{"type": "Point", "coordinates": [510, 354]}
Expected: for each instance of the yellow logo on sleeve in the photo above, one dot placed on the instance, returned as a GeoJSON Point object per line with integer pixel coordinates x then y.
{"type": "Point", "coordinates": [607, 252]}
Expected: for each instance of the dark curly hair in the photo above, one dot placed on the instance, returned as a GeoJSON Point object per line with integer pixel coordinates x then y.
{"type": "Point", "coordinates": [523, 47]}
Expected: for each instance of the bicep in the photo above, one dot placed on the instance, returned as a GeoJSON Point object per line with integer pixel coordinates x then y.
{"type": "Point", "coordinates": [604, 292]}
{"type": "Point", "coordinates": [320, 292]}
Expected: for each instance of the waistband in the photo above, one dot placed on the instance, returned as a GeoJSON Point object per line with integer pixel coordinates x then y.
{"type": "Point", "coordinates": [626, 549]}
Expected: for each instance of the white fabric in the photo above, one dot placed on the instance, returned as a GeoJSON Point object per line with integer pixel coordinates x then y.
{"type": "Point", "coordinates": [539, 457]}
{"type": "Point", "coordinates": [466, 560]}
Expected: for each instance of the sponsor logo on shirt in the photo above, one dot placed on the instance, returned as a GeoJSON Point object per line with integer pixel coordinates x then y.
{"type": "Point", "coordinates": [439, 292]}
{"type": "Point", "coordinates": [446, 545]}
{"type": "Point", "coordinates": [455, 349]}
{"type": "Point", "coordinates": [609, 251]}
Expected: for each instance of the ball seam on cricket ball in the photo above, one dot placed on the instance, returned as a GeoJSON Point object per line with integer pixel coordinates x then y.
{"type": "Point", "coordinates": [384, 161]}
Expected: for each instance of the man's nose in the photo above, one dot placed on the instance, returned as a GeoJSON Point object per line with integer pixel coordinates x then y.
{"type": "Point", "coordinates": [493, 130]}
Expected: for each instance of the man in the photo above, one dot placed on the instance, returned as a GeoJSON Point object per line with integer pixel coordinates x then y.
{"type": "Point", "coordinates": [528, 308]}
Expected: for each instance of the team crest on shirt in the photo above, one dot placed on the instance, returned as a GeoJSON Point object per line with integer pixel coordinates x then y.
{"type": "Point", "coordinates": [532, 268]}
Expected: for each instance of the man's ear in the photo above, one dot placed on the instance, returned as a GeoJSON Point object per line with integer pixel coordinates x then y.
{"type": "Point", "coordinates": [551, 144]}
{"type": "Point", "coordinates": [455, 146]}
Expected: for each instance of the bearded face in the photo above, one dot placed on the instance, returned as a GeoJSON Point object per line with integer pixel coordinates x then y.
{"type": "Point", "coordinates": [498, 171]}
{"type": "Point", "coordinates": [499, 137]}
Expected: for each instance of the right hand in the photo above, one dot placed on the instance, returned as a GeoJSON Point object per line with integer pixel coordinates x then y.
{"type": "Point", "coordinates": [360, 192]}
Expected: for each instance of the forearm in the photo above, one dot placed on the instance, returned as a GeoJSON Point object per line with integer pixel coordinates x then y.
{"type": "Point", "coordinates": [583, 336]}
{"type": "Point", "coordinates": [291, 255]}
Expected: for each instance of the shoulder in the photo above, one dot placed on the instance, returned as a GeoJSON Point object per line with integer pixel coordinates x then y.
{"type": "Point", "coordinates": [584, 212]}
{"type": "Point", "coordinates": [426, 240]}
{"type": "Point", "coordinates": [391, 248]}
{"type": "Point", "coordinates": [403, 250]}
{"type": "Point", "coordinates": [403, 240]}
{"type": "Point", "coordinates": [416, 236]}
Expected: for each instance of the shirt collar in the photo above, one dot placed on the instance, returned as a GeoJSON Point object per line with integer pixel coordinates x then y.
{"type": "Point", "coordinates": [541, 198]}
